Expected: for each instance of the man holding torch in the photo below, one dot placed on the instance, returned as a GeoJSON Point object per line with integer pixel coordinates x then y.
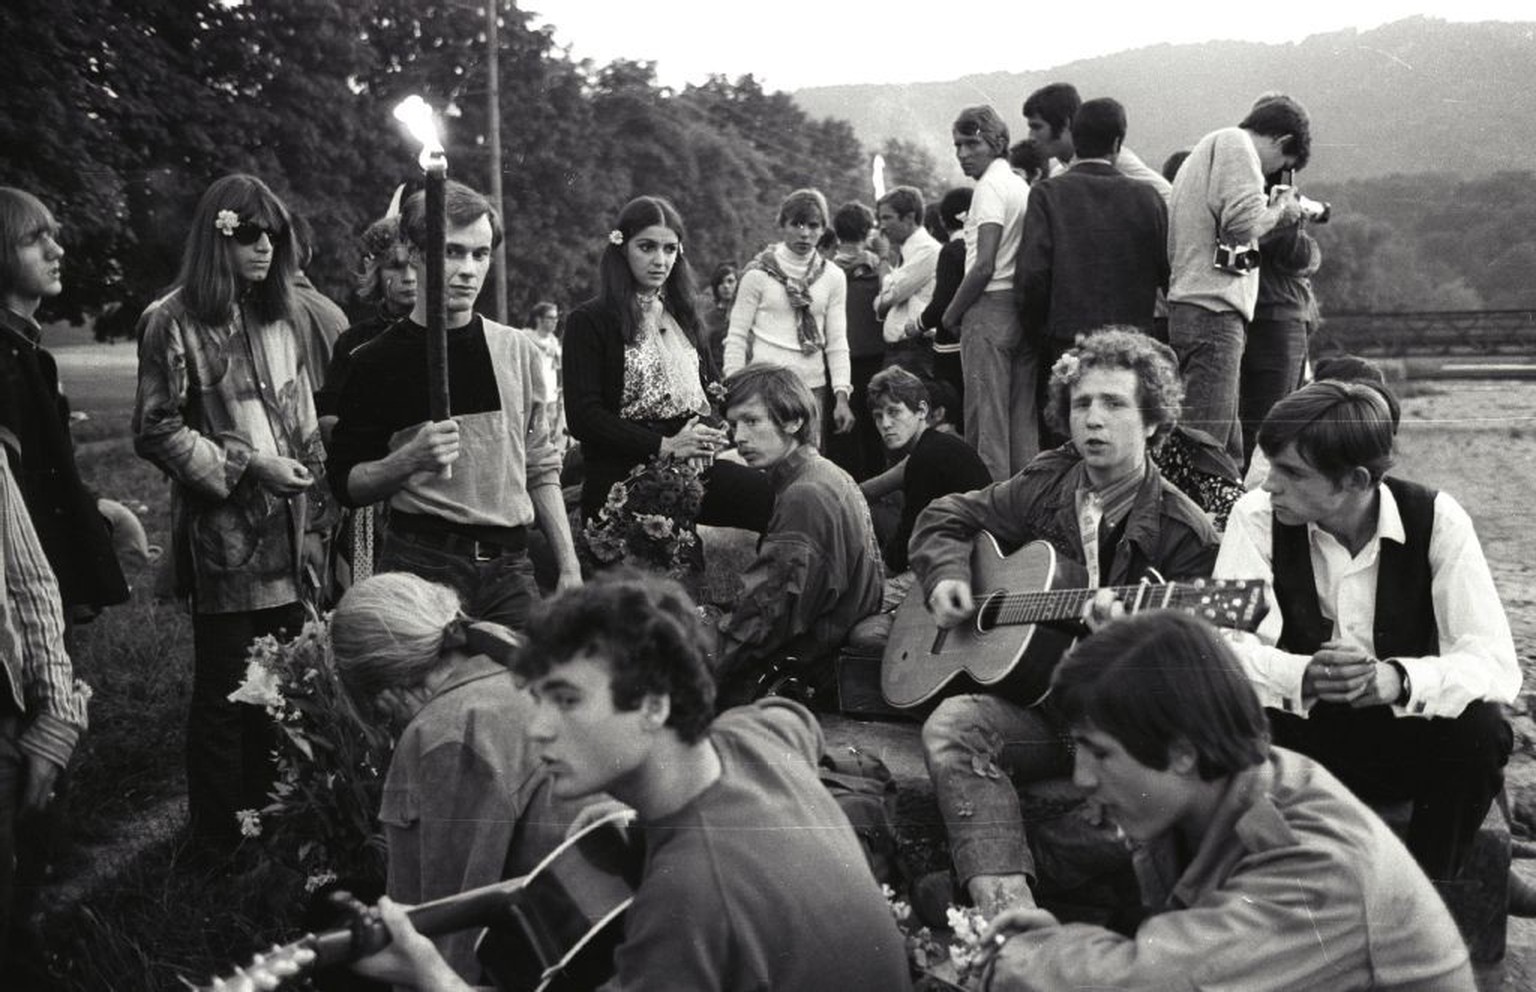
{"type": "Point", "coordinates": [461, 490]}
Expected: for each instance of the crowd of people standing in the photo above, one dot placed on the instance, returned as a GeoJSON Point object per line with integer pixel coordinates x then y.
{"type": "Point", "coordinates": [1075, 348]}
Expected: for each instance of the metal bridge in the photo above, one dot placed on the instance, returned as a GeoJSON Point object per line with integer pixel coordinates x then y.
{"type": "Point", "coordinates": [1442, 333]}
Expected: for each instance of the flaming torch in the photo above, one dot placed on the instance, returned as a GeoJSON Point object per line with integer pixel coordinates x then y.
{"type": "Point", "coordinates": [879, 177]}
{"type": "Point", "coordinates": [417, 117]}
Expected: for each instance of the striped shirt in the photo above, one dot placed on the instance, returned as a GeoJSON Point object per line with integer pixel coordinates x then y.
{"type": "Point", "coordinates": [39, 677]}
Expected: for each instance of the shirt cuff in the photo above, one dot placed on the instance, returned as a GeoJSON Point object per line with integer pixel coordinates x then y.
{"type": "Point", "coordinates": [47, 736]}
{"type": "Point", "coordinates": [1424, 682]}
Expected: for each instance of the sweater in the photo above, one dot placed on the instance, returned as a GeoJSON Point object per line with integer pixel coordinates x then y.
{"type": "Point", "coordinates": [759, 882]}
{"type": "Point", "coordinates": [763, 328]}
{"type": "Point", "coordinates": [1218, 197]}
{"type": "Point", "coordinates": [817, 572]}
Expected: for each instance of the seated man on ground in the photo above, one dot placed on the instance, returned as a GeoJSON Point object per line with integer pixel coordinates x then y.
{"type": "Point", "coordinates": [818, 569]}
{"type": "Point", "coordinates": [931, 463]}
{"type": "Point", "coordinates": [1101, 502]}
{"type": "Point", "coordinates": [753, 878]}
{"type": "Point", "coordinates": [1386, 652]}
{"type": "Point", "coordinates": [1258, 869]}
{"type": "Point", "coordinates": [1341, 368]}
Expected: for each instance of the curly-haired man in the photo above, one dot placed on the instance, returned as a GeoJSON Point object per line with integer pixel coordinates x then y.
{"type": "Point", "coordinates": [1101, 502]}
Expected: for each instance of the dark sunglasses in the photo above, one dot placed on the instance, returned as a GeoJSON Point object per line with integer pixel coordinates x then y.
{"type": "Point", "coordinates": [249, 234]}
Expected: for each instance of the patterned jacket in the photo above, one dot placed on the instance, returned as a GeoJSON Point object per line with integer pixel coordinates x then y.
{"type": "Point", "coordinates": [209, 398]}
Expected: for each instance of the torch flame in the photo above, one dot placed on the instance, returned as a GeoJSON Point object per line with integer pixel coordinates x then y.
{"type": "Point", "coordinates": [417, 117]}
{"type": "Point", "coordinates": [879, 176]}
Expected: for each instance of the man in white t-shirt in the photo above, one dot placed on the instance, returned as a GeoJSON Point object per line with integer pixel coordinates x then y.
{"type": "Point", "coordinates": [1000, 368]}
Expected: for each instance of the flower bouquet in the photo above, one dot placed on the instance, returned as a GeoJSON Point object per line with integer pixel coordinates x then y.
{"type": "Point", "coordinates": [959, 965]}
{"type": "Point", "coordinates": [321, 821]}
{"type": "Point", "coordinates": [648, 520]}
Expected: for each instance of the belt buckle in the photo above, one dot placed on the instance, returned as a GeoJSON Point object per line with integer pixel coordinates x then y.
{"type": "Point", "coordinates": [491, 553]}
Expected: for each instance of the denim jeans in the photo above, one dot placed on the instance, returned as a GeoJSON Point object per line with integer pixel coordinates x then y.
{"type": "Point", "coordinates": [979, 749]}
{"type": "Point", "coordinates": [1000, 371]}
{"type": "Point", "coordinates": [1210, 349]}
{"type": "Point", "coordinates": [1273, 354]}
{"type": "Point", "coordinates": [501, 589]}
{"type": "Point", "coordinates": [12, 780]}
{"type": "Point", "coordinates": [229, 745]}
{"type": "Point", "coordinates": [1452, 768]}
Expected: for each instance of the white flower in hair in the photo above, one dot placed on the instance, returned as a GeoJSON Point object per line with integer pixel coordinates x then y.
{"type": "Point", "coordinates": [1065, 369]}
{"type": "Point", "coordinates": [616, 237]}
{"type": "Point", "coordinates": [227, 221]}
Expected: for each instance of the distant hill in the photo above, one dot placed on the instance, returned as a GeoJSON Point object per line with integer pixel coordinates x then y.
{"type": "Point", "coordinates": [1418, 95]}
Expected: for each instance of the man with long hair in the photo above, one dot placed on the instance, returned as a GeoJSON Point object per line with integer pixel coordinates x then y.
{"type": "Point", "coordinates": [818, 569]}
{"type": "Point", "coordinates": [34, 415]}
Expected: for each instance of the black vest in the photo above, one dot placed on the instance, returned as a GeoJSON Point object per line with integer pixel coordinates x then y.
{"type": "Point", "coordinates": [1404, 625]}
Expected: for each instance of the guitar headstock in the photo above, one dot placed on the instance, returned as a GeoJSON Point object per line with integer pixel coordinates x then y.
{"type": "Point", "coordinates": [281, 965]}
{"type": "Point", "coordinates": [1234, 603]}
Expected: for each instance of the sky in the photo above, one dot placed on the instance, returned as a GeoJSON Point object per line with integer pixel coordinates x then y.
{"type": "Point", "coordinates": [792, 44]}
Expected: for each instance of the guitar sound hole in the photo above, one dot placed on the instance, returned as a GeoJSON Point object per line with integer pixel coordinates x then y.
{"type": "Point", "coordinates": [986, 614]}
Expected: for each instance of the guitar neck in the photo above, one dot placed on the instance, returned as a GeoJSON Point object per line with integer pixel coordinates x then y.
{"type": "Point", "coordinates": [1068, 604]}
{"type": "Point", "coordinates": [475, 908]}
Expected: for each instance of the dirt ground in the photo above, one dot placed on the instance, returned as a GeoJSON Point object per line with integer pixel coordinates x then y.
{"type": "Point", "coordinates": [1477, 441]}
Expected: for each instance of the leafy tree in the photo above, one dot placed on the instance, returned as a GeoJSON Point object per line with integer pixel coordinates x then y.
{"type": "Point", "coordinates": [908, 163]}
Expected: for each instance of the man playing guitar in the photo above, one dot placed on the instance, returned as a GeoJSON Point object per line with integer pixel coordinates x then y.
{"type": "Point", "coordinates": [752, 876]}
{"type": "Point", "coordinates": [1100, 501]}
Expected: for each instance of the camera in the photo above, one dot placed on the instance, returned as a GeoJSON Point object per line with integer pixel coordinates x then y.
{"type": "Point", "coordinates": [1315, 211]}
{"type": "Point", "coordinates": [1236, 259]}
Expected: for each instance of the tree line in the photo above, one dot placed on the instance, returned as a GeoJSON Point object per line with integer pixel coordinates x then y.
{"type": "Point", "coordinates": [118, 113]}
{"type": "Point", "coordinates": [1430, 241]}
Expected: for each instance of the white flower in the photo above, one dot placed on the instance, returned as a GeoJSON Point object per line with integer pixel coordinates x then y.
{"type": "Point", "coordinates": [250, 822]}
{"type": "Point", "coordinates": [1066, 368]}
{"type": "Point", "coordinates": [616, 237]}
{"type": "Point", "coordinates": [226, 222]}
{"type": "Point", "coordinates": [318, 879]}
{"type": "Point", "coordinates": [260, 688]}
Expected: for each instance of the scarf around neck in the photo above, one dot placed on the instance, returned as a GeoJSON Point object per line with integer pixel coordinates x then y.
{"type": "Point", "coordinates": [812, 338]}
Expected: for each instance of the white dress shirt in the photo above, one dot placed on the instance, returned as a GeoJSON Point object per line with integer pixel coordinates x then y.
{"type": "Point", "coordinates": [1477, 652]}
{"type": "Point", "coordinates": [907, 290]}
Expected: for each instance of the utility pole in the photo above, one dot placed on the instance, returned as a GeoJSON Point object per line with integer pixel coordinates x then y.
{"type": "Point", "coordinates": [493, 95]}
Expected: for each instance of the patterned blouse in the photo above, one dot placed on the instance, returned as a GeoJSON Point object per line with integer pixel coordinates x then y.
{"type": "Point", "coordinates": [661, 370]}
{"type": "Point", "coordinates": [1183, 463]}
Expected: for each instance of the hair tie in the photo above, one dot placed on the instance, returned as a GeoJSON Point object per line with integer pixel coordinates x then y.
{"type": "Point", "coordinates": [455, 634]}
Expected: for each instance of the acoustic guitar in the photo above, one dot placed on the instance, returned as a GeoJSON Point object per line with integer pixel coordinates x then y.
{"type": "Point", "coordinates": [552, 930]}
{"type": "Point", "coordinates": [1009, 646]}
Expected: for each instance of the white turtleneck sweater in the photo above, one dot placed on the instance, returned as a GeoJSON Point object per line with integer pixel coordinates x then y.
{"type": "Point", "coordinates": [762, 314]}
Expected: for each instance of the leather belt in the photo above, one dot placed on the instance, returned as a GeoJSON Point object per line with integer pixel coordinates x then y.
{"type": "Point", "coordinates": [476, 543]}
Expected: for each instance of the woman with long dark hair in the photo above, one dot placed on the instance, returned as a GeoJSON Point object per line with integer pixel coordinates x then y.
{"type": "Point", "coordinates": [225, 408]}
{"type": "Point", "coordinates": [638, 372]}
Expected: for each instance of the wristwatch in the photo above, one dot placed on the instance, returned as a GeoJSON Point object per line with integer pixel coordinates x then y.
{"type": "Point", "coordinates": [1402, 674]}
